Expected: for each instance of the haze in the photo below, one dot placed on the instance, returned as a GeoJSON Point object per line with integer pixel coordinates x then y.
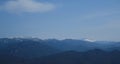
{"type": "Point", "coordinates": [61, 19]}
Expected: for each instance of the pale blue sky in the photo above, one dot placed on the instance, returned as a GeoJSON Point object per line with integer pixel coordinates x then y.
{"type": "Point", "coordinates": [60, 19]}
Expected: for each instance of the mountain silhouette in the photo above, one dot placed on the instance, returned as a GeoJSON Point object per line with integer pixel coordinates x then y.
{"type": "Point", "coordinates": [53, 51]}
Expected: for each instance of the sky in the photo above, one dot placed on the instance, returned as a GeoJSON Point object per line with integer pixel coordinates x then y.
{"type": "Point", "coordinates": [61, 19]}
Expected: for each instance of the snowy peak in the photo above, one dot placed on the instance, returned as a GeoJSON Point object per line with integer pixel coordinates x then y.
{"type": "Point", "coordinates": [88, 40]}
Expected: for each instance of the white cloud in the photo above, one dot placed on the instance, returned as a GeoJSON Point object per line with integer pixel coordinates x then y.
{"type": "Point", "coordinates": [31, 6]}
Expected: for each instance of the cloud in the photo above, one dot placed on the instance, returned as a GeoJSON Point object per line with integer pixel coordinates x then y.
{"type": "Point", "coordinates": [31, 6]}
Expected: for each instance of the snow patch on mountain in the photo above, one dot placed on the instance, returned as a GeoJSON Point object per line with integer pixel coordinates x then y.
{"type": "Point", "coordinates": [89, 40]}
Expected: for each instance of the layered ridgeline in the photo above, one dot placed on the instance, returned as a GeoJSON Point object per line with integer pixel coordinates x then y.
{"type": "Point", "coordinates": [53, 51]}
{"type": "Point", "coordinates": [34, 47]}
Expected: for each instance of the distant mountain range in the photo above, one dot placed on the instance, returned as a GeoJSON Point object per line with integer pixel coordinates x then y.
{"type": "Point", "coordinates": [53, 51]}
{"type": "Point", "coordinates": [26, 48]}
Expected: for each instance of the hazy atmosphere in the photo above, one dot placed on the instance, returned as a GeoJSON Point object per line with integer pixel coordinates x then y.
{"type": "Point", "coordinates": [61, 19]}
{"type": "Point", "coordinates": [59, 31]}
